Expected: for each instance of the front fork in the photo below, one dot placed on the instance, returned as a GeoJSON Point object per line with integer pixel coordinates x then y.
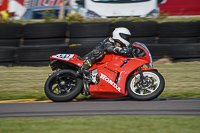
{"type": "Point", "coordinates": [141, 75]}
{"type": "Point", "coordinates": [142, 78]}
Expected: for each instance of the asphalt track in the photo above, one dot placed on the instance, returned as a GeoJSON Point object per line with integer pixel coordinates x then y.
{"type": "Point", "coordinates": [101, 107]}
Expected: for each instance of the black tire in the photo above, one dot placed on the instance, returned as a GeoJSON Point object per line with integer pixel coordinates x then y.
{"type": "Point", "coordinates": [7, 54]}
{"type": "Point", "coordinates": [139, 29]}
{"type": "Point", "coordinates": [191, 50]}
{"type": "Point", "coordinates": [101, 29]}
{"type": "Point", "coordinates": [179, 29]}
{"type": "Point", "coordinates": [8, 31]}
{"type": "Point", "coordinates": [10, 42]}
{"type": "Point", "coordinates": [59, 77]}
{"type": "Point", "coordinates": [45, 30]}
{"type": "Point", "coordinates": [136, 94]}
{"type": "Point", "coordinates": [49, 41]}
{"type": "Point", "coordinates": [40, 53]}
{"type": "Point", "coordinates": [179, 40]}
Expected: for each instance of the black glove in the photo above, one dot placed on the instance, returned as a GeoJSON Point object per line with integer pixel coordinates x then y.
{"type": "Point", "coordinates": [117, 50]}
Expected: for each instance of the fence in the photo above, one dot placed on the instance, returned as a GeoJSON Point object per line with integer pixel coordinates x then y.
{"type": "Point", "coordinates": [33, 44]}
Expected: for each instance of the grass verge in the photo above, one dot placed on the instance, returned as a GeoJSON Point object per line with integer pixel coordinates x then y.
{"type": "Point", "coordinates": [182, 80]}
{"type": "Point", "coordinates": [78, 19]}
{"type": "Point", "coordinates": [102, 124]}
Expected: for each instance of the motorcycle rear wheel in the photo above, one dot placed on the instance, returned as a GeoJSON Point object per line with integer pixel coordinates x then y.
{"type": "Point", "coordinates": [63, 86]}
{"type": "Point", "coordinates": [151, 88]}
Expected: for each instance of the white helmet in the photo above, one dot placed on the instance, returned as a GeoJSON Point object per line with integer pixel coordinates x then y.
{"type": "Point", "coordinates": [122, 35]}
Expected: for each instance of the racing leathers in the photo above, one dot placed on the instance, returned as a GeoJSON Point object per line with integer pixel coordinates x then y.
{"type": "Point", "coordinates": [106, 46]}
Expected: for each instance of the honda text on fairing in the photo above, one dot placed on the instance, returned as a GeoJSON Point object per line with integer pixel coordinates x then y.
{"type": "Point", "coordinates": [114, 76]}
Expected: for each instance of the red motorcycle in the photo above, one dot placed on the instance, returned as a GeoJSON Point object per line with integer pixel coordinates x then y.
{"type": "Point", "coordinates": [114, 76]}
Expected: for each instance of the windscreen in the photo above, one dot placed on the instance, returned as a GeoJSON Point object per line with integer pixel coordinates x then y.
{"type": "Point", "coordinates": [150, 65]}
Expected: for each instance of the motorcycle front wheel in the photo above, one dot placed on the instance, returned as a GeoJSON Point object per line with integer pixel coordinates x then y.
{"type": "Point", "coordinates": [147, 89]}
{"type": "Point", "coordinates": [63, 86]}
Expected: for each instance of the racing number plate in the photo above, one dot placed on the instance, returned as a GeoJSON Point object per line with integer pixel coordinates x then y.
{"type": "Point", "coordinates": [65, 57]}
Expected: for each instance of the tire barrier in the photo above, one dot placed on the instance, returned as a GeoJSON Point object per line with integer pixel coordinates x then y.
{"type": "Point", "coordinates": [39, 53]}
{"type": "Point", "coordinates": [139, 29]}
{"type": "Point", "coordinates": [159, 51]}
{"type": "Point", "coordinates": [79, 50]}
{"type": "Point", "coordinates": [11, 31]}
{"type": "Point", "coordinates": [33, 44]}
{"type": "Point", "coordinates": [82, 46]}
{"type": "Point", "coordinates": [9, 42]}
{"type": "Point", "coordinates": [45, 30]}
{"type": "Point", "coordinates": [84, 39]}
{"type": "Point", "coordinates": [92, 42]}
{"type": "Point", "coordinates": [45, 33]}
{"type": "Point", "coordinates": [10, 35]}
{"type": "Point", "coordinates": [90, 30]}
{"type": "Point", "coordinates": [49, 41]}
{"type": "Point", "coordinates": [185, 51]}
{"type": "Point", "coordinates": [145, 40]}
{"type": "Point", "coordinates": [179, 29]}
{"type": "Point", "coordinates": [179, 40]}
{"type": "Point", "coordinates": [7, 55]}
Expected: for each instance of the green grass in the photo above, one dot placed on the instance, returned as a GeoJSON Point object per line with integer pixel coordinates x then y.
{"type": "Point", "coordinates": [23, 82]}
{"type": "Point", "coordinates": [102, 124]}
{"type": "Point", "coordinates": [182, 80]}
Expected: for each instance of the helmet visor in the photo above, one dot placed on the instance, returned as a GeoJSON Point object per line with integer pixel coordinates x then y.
{"type": "Point", "coordinates": [125, 36]}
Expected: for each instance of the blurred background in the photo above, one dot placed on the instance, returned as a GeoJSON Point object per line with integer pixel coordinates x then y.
{"type": "Point", "coordinates": [169, 28]}
{"type": "Point", "coordinates": [15, 9]}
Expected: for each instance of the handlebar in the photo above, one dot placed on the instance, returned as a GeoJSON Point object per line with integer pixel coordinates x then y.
{"type": "Point", "coordinates": [131, 52]}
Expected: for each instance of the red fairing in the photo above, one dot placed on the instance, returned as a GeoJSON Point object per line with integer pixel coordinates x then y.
{"type": "Point", "coordinates": [113, 71]}
{"type": "Point", "coordinates": [113, 74]}
{"type": "Point", "coordinates": [108, 87]}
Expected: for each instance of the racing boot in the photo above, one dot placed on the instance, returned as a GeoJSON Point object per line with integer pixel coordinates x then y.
{"type": "Point", "coordinates": [84, 68]}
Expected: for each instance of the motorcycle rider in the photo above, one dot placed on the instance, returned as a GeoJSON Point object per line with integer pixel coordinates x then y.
{"type": "Point", "coordinates": [117, 44]}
